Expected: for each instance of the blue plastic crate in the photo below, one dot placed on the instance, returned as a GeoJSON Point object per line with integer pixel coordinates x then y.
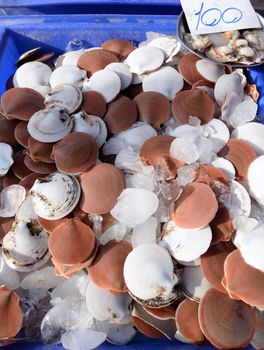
{"type": "Point", "coordinates": [19, 34]}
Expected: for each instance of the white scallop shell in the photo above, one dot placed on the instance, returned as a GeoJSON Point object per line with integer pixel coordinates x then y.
{"type": "Point", "coordinates": [25, 247]}
{"type": "Point", "coordinates": [170, 46]}
{"type": "Point", "coordinates": [255, 179]}
{"type": "Point", "coordinates": [71, 58]}
{"type": "Point", "coordinates": [167, 81]}
{"type": "Point", "coordinates": [145, 233]}
{"type": "Point", "coordinates": [42, 279]}
{"type": "Point", "coordinates": [226, 166]}
{"type": "Point", "coordinates": [187, 132]}
{"type": "Point", "coordinates": [106, 82]}
{"type": "Point", "coordinates": [156, 277]}
{"type": "Point", "coordinates": [8, 277]}
{"type": "Point", "coordinates": [104, 306]}
{"type": "Point", "coordinates": [195, 285]}
{"type": "Point", "coordinates": [135, 206]}
{"type": "Point", "coordinates": [118, 334]}
{"type": "Point", "coordinates": [67, 74]}
{"type": "Point", "coordinates": [92, 125]}
{"type": "Point", "coordinates": [137, 79]}
{"type": "Point", "coordinates": [64, 96]}
{"type": "Point", "coordinates": [6, 158]}
{"type": "Point", "coordinates": [145, 59]}
{"type": "Point", "coordinates": [26, 211]}
{"type": "Point", "coordinates": [55, 196]}
{"type": "Point", "coordinates": [252, 133]}
{"type": "Point", "coordinates": [195, 262]}
{"type": "Point", "coordinates": [135, 136]}
{"type": "Point", "coordinates": [34, 75]}
{"type": "Point", "coordinates": [185, 245]}
{"type": "Point", "coordinates": [10, 199]}
{"type": "Point", "coordinates": [210, 70]}
{"type": "Point", "coordinates": [218, 133]}
{"type": "Point", "coordinates": [50, 125]}
{"type": "Point", "coordinates": [123, 71]}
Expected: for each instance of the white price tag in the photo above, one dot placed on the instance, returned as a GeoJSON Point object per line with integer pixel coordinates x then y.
{"type": "Point", "coordinates": [214, 16]}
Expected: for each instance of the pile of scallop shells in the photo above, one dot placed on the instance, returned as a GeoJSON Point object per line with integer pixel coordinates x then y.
{"type": "Point", "coordinates": [132, 198]}
{"type": "Point", "coordinates": [243, 47]}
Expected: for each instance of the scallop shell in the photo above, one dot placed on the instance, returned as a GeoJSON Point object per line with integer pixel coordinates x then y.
{"type": "Point", "coordinates": [187, 322]}
{"type": "Point", "coordinates": [255, 182]}
{"type": "Point", "coordinates": [25, 247]}
{"type": "Point", "coordinates": [193, 102]}
{"type": "Point", "coordinates": [19, 168]}
{"type": "Point", "coordinates": [226, 166]}
{"type": "Point", "coordinates": [39, 151]}
{"type": "Point", "coordinates": [107, 83]}
{"type": "Point", "coordinates": [11, 315]}
{"type": "Point", "coordinates": [146, 329]}
{"type": "Point", "coordinates": [69, 58]}
{"type": "Point", "coordinates": [7, 129]}
{"type": "Point", "coordinates": [156, 279]}
{"type": "Point", "coordinates": [26, 211]}
{"type": "Point", "coordinates": [123, 71]}
{"type": "Point", "coordinates": [153, 108]}
{"type": "Point", "coordinates": [10, 179]}
{"type": "Point", "coordinates": [185, 245]}
{"type": "Point", "coordinates": [251, 133]}
{"type": "Point", "coordinates": [241, 155]}
{"type": "Point", "coordinates": [6, 158]}
{"type": "Point", "coordinates": [169, 45]}
{"type": "Point", "coordinates": [226, 323]}
{"type": "Point", "coordinates": [209, 70]}
{"type": "Point", "coordinates": [93, 104]}
{"type": "Point", "coordinates": [217, 132]}
{"type": "Point", "coordinates": [101, 187]}
{"type": "Point", "coordinates": [145, 59]}
{"type": "Point", "coordinates": [50, 125]}
{"type": "Point", "coordinates": [95, 60]}
{"type": "Point", "coordinates": [67, 74]}
{"type": "Point", "coordinates": [76, 153]}
{"type": "Point", "coordinates": [122, 48]}
{"type": "Point", "coordinates": [104, 306]}
{"type": "Point", "coordinates": [222, 226]}
{"type": "Point", "coordinates": [21, 103]}
{"type": "Point", "coordinates": [190, 211]}
{"type": "Point", "coordinates": [28, 181]}
{"type": "Point", "coordinates": [257, 342]}
{"type": "Point", "coordinates": [10, 199]}
{"type": "Point", "coordinates": [166, 81]}
{"type": "Point", "coordinates": [21, 134]}
{"type": "Point", "coordinates": [55, 196]}
{"type": "Point", "coordinates": [113, 254]}
{"type": "Point", "coordinates": [188, 70]}
{"type": "Point", "coordinates": [121, 114]}
{"type": "Point", "coordinates": [39, 167]}
{"type": "Point", "coordinates": [228, 83]}
{"type": "Point", "coordinates": [34, 75]}
{"type": "Point", "coordinates": [118, 334]}
{"type": "Point", "coordinates": [71, 242]}
{"type": "Point", "coordinates": [64, 96]}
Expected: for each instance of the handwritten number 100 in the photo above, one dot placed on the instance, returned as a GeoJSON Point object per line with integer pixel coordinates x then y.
{"type": "Point", "coordinates": [213, 16]}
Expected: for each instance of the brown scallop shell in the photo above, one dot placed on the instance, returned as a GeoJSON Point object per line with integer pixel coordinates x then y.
{"type": "Point", "coordinates": [21, 103]}
{"type": "Point", "coordinates": [39, 151]}
{"type": "Point", "coordinates": [133, 90]}
{"type": "Point", "coordinates": [121, 114]}
{"type": "Point", "coordinates": [5, 226]}
{"type": "Point", "coordinates": [34, 55]}
{"type": "Point", "coordinates": [76, 153]}
{"type": "Point", "coordinates": [7, 130]}
{"type": "Point", "coordinates": [122, 48]}
{"type": "Point", "coordinates": [145, 328]}
{"type": "Point", "coordinates": [212, 264]}
{"type": "Point", "coordinates": [108, 221]}
{"type": "Point", "coordinates": [196, 207]}
{"type": "Point", "coordinates": [93, 104]}
{"type": "Point", "coordinates": [19, 168]}
{"type": "Point", "coordinates": [196, 103]}
{"type": "Point", "coordinates": [21, 134]}
{"type": "Point", "coordinates": [187, 68]}
{"type": "Point", "coordinates": [222, 226]}
{"type": "Point", "coordinates": [39, 167]}
{"type": "Point", "coordinates": [72, 242]}
{"type": "Point", "coordinates": [95, 60]}
{"type": "Point", "coordinates": [252, 90]}
{"type": "Point", "coordinates": [243, 281]}
{"type": "Point", "coordinates": [50, 225]}
{"type": "Point", "coordinates": [28, 181]}
{"type": "Point", "coordinates": [203, 83]}
{"type": "Point", "coordinates": [153, 108]}
{"type": "Point", "coordinates": [79, 213]}
{"type": "Point", "coordinates": [156, 152]}
{"type": "Point", "coordinates": [101, 187]}
{"type": "Point", "coordinates": [226, 323]}
{"type": "Point", "coordinates": [113, 256]}
{"type": "Point", "coordinates": [209, 174]}
{"type": "Point", "coordinates": [187, 323]}
{"type": "Point", "coordinates": [164, 313]}
{"type": "Point", "coordinates": [241, 154]}
{"type": "Point", "coordinates": [10, 179]}
{"type": "Point", "coordinates": [11, 315]}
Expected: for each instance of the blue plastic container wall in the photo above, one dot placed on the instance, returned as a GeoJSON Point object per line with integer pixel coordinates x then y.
{"type": "Point", "coordinates": [19, 34]}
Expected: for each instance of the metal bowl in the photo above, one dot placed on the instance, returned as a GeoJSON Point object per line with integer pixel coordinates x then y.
{"type": "Point", "coordinates": [183, 29]}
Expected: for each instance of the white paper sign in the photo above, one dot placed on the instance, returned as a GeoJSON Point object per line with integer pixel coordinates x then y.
{"type": "Point", "coordinates": [214, 16]}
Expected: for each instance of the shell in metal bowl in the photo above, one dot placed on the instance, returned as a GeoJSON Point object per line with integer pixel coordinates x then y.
{"type": "Point", "coordinates": [55, 196]}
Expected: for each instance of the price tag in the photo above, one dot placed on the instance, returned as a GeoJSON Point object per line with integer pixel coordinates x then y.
{"type": "Point", "coordinates": [214, 16]}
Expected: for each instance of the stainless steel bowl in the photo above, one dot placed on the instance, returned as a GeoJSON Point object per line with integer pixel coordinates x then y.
{"type": "Point", "coordinates": [183, 28]}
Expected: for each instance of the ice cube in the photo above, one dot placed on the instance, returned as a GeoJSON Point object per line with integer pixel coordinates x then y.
{"type": "Point", "coordinates": [128, 160]}
{"type": "Point", "coordinates": [8, 277]}
{"type": "Point", "coordinates": [194, 121]}
{"type": "Point", "coordinates": [145, 233]}
{"type": "Point", "coordinates": [82, 339]}
{"type": "Point", "coordinates": [97, 223]}
{"type": "Point", "coordinates": [170, 190]}
{"type": "Point", "coordinates": [186, 175]}
{"type": "Point", "coordinates": [140, 181]}
{"type": "Point", "coordinates": [42, 279]}
{"type": "Point", "coordinates": [116, 231]}
{"type": "Point", "coordinates": [245, 112]}
{"type": "Point", "coordinates": [74, 45]}
{"type": "Point", "coordinates": [184, 150]}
